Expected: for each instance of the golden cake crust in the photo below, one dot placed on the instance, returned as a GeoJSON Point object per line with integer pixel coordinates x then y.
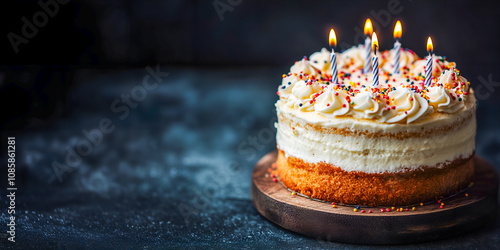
{"type": "Point", "coordinates": [330, 183]}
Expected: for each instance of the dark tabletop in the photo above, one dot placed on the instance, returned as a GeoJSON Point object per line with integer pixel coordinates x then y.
{"type": "Point", "coordinates": [176, 169]}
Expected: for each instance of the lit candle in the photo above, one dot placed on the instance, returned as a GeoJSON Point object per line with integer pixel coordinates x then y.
{"type": "Point", "coordinates": [397, 46]}
{"type": "Point", "coordinates": [333, 58]}
{"type": "Point", "coordinates": [375, 59]}
{"type": "Point", "coordinates": [428, 66]}
{"type": "Point", "coordinates": [368, 45]}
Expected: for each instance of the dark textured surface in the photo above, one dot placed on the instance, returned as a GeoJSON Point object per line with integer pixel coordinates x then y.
{"type": "Point", "coordinates": [176, 172]}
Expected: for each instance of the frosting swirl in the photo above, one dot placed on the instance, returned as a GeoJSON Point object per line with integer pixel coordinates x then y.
{"type": "Point", "coordinates": [287, 85]}
{"type": "Point", "coordinates": [301, 97]}
{"type": "Point", "coordinates": [304, 67]}
{"type": "Point", "coordinates": [408, 105]}
{"type": "Point", "coordinates": [332, 103]}
{"type": "Point", "coordinates": [321, 60]}
{"type": "Point", "coordinates": [364, 106]}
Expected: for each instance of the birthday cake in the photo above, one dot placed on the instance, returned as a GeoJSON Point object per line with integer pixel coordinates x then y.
{"type": "Point", "coordinates": [399, 141]}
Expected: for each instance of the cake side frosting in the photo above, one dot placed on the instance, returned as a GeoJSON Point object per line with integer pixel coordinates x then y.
{"type": "Point", "coordinates": [374, 151]}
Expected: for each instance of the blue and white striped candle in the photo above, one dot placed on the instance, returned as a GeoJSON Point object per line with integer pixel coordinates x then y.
{"type": "Point", "coordinates": [375, 59]}
{"type": "Point", "coordinates": [333, 58]}
{"type": "Point", "coordinates": [375, 70]}
{"type": "Point", "coordinates": [368, 55]}
{"type": "Point", "coordinates": [333, 67]}
{"type": "Point", "coordinates": [397, 47]}
{"type": "Point", "coordinates": [368, 45]}
{"type": "Point", "coordinates": [428, 65]}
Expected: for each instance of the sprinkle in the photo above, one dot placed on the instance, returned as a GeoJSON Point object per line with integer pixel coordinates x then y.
{"type": "Point", "coordinates": [355, 210]}
{"type": "Point", "coordinates": [440, 206]}
{"type": "Point", "coordinates": [407, 209]}
{"type": "Point", "coordinates": [343, 105]}
{"type": "Point", "coordinates": [362, 211]}
{"type": "Point", "coordinates": [466, 195]}
{"type": "Point", "coordinates": [272, 175]}
{"type": "Point", "coordinates": [381, 210]}
{"type": "Point", "coordinates": [334, 205]}
{"type": "Point", "coordinates": [370, 211]}
{"type": "Point", "coordinates": [274, 165]}
{"type": "Point", "coordinates": [293, 193]}
{"type": "Point", "coordinates": [421, 204]}
{"type": "Point", "coordinates": [388, 210]}
{"type": "Point", "coordinates": [300, 104]}
{"type": "Point", "coordinates": [413, 208]}
{"type": "Point", "coordinates": [328, 104]}
{"type": "Point", "coordinates": [357, 207]}
{"type": "Point", "coordinates": [284, 75]}
{"type": "Point", "coordinates": [275, 180]}
{"type": "Point", "coordinates": [289, 83]}
{"type": "Point", "coordinates": [393, 208]}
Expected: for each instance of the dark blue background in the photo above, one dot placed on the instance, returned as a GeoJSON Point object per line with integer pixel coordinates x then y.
{"type": "Point", "coordinates": [176, 171]}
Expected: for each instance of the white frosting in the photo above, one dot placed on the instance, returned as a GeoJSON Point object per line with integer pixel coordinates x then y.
{"type": "Point", "coordinates": [304, 67]}
{"type": "Point", "coordinates": [321, 60]}
{"type": "Point", "coordinates": [409, 106]}
{"type": "Point", "coordinates": [332, 103]}
{"type": "Point", "coordinates": [397, 99]}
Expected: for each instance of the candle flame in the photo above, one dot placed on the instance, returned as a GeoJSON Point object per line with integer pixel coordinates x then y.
{"type": "Point", "coordinates": [374, 42]}
{"type": "Point", "coordinates": [430, 48]}
{"type": "Point", "coordinates": [368, 27]}
{"type": "Point", "coordinates": [332, 39]}
{"type": "Point", "coordinates": [398, 30]}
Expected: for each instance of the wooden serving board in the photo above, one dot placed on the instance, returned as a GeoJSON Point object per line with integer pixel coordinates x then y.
{"type": "Point", "coordinates": [464, 212]}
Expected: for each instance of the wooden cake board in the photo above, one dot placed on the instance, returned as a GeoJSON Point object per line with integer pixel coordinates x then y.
{"type": "Point", "coordinates": [461, 213]}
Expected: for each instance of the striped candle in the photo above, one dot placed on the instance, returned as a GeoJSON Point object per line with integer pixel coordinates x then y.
{"type": "Point", "coordinates": [368, 53]}
{"type": "Point", "coordinates": [428, 71]}
{"type": "Point", "coordinates": [375, 59]}
{"type": "Point", "coordinates": [428, 66]}
{"type": "Point", "coordinates": [333, 66]}
{"type": "Point", "coordinates": [398, 29]}
{"type": "Point", "coordinates": [375, 70]}
{"type": "Point", "coordinates": [397, 47]}
{"type": "Point", "coordinates": [333, 58]}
